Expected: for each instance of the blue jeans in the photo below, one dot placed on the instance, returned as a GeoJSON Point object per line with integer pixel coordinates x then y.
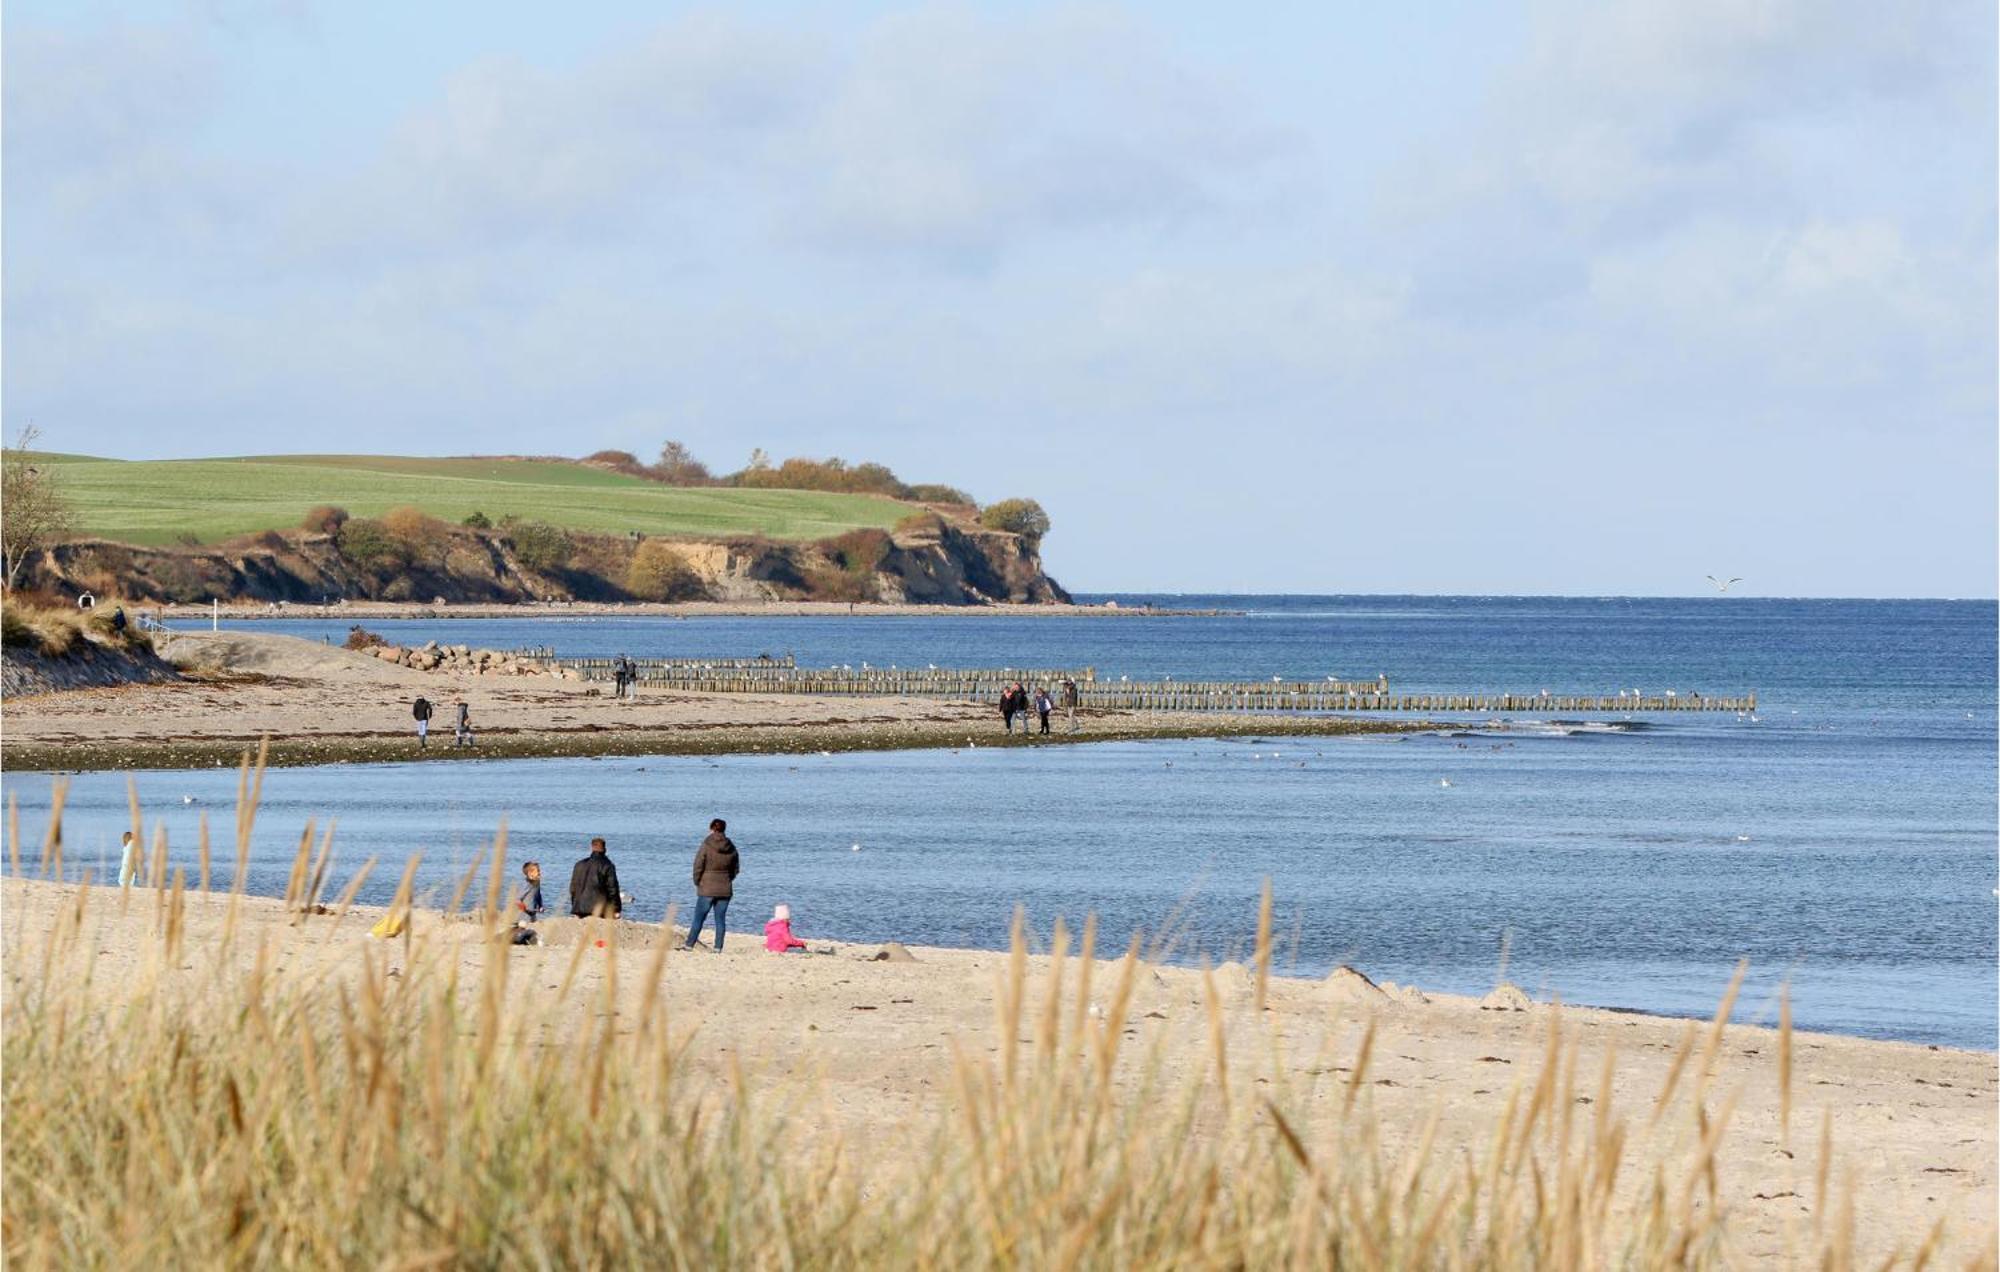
{"type": "Point", "coordinates": [702, 905]}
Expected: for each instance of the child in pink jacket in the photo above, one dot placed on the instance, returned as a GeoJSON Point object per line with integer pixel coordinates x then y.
{"type": "Point", "coordinates": [778, 936]}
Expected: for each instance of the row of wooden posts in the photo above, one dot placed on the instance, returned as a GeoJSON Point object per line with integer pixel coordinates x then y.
{"type": "Point", "coordinates": [761, 675]}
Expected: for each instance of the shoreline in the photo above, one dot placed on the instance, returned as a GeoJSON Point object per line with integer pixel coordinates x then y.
{"type": "Point", "coordinates": [400, 610]}
{"type": "Point", "coordinates": [685, 740]}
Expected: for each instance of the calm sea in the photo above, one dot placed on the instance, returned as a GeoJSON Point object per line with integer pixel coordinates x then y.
{"type": "Point", "coordinates": [1842, 840]}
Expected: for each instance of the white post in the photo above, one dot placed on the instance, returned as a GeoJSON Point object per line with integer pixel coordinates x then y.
{"type": "Point", "coordinates": [214, 614]}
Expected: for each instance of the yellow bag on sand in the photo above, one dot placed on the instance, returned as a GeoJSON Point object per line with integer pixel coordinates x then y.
{"type": "Point", "coordinates": [390, 924]}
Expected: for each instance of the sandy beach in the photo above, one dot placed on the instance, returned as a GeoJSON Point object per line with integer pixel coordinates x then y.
{"type": "Point", "coordinates": [321, 704]}
{"type": "Point", "coordinates": [1913, 1126]}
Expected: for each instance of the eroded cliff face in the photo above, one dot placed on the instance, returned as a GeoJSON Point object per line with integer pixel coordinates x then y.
{"type": "Point", "coordinates": [945, 564]}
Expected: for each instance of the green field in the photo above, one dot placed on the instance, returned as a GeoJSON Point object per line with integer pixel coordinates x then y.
{"type": "Point", "coordinates": [159, 502]}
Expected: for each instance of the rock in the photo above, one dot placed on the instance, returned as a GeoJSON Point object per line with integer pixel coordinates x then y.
{"type": "Point", "coordinates": [893, 952]}
{"type": "Point", "coordinates": [387, 653]}
{"type": "Point", "coordinates": [1506, 997]}
{"type": "Point", "coordinates": [1346, 985]}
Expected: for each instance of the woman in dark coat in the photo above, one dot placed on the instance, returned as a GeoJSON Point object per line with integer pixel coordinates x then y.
{"type": "Point", "coordinates": [715, 867]}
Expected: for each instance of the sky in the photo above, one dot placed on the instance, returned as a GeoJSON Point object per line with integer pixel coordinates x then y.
{"type": "Point", "coordinates": [1556, 297]}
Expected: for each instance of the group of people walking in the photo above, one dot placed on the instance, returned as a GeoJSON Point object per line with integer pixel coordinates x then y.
{"type": "Point", "coordinates": [1015, 700]}
{"type": "Point", "coordinates": [594, 893]}
{"type": "Point", "coordinates": [625, 678]}
{"type": "Point", "coordinates": [423, 709]}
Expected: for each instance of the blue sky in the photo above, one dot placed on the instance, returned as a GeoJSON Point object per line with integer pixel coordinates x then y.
{"type": "Point", "coordinates": [1559, 297]}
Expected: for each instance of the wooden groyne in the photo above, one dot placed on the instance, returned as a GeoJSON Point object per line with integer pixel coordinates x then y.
{"type": "Point", "coordinates": [783, 676]}
{"type": "Point", "coordinates": [1308, 696]}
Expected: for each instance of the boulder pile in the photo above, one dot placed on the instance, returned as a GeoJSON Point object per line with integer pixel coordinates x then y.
{"type": "Point", "coordinates": [467, 661]}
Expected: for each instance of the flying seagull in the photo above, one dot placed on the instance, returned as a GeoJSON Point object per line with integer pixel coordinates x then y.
{"type": "Point", "coordinates": [1721, 586]}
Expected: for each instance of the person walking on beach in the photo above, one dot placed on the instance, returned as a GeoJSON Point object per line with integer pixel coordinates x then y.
{"type": "Point", "coordinates": [1069, 701]}
{"type": "Point", "coordinates": [593, 885]}
{"type": "Point", "coordinates": [618, 677]}
{"type": "Point", "coordinates": [129, 865]}
{"type": "Point", "coordinates": [631, 680]}
{"type": "Point", "coordinates": [421, 709]}
{"type": "Point", "coordinates": [1043, 705]}
{"type": "Point", "coordinates": [463, 737]}
{"type": "Point", "coordinates": [715, 867]}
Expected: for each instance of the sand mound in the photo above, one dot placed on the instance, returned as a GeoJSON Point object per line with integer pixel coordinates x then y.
{"type": "Point", "coordinates": [893, 952]}
{"type": "Point", "coordinates": [1346, 985]}
{"type": "Point", "coordinates": [1408, 995]}
{"type": "Point", "coordinates": [1506, 998]}
{"type": "Point", "coordinates": [270, 655]}
{"type": "Point", "coordinates": [565, 931]}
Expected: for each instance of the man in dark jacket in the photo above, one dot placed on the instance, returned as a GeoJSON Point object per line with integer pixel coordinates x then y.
{"type": "Point", "coordinates": [593, 885]}
{"type": "Point", "coordinates": [715, 867]}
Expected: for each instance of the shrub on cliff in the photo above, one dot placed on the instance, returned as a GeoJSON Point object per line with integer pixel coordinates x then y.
{"type": "Point", "coordinates": [324, 519]}
{"type": "Point", "coordinates": [540, 546]}
{"type": "Point", "coordinates": [658, 573]}
{"type": "Point", "coordinates": [930, 492]}
{"type": "Point", "coordinates": [425, 535]}
{"type": "Point", "coordinates": [477, 521]}
{"type": "Point", "coordinates": [859, 551]}
{"type": "Point", "coordinates": [1017, 516]}
{"type": "Point", "coordinates": [369, 543]}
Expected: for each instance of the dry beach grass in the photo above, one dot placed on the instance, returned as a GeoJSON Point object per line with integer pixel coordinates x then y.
{"type": "Point", "coordinates": [202, 1079]}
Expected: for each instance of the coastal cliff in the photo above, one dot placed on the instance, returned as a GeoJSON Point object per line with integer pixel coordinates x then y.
{"type": "Point", "coordinates": [932, 560]}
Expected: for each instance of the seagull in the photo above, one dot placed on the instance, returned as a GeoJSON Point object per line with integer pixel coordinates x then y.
{"type": "Point", "coordinates": [1444, 781]}
{"type": "Point", "coordinates": [856, 848]}
{"type": "Point", "coordinates": [1721, 586]}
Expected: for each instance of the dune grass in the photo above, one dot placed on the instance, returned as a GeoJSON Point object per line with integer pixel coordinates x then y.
{"type": "Point", "coordinates": [159, 502]}
{"type": "Point", "coordinates": [408, 1116]}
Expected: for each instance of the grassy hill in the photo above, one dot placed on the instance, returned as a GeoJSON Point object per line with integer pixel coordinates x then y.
{"type": "Point", "coordinates": [158, 502]}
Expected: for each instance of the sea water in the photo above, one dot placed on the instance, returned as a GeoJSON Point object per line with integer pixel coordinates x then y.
{"type": "Point", "coordinates": [1842, 839]}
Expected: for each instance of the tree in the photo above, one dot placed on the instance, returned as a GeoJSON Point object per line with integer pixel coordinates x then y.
{"type": "Point", "coordinates": [33, 512]}
{"type": "Point", "coordinates": [658, 573]}
{"type": "Point", "coordinates": [1017, 516]}
{"type": "Point", "coordinates": [679, 467]}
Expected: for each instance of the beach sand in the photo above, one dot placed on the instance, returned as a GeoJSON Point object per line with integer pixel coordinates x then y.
{"type": "Point", "coordinates": [871, 1044]}
{"type": "Point", "coordinates": [319, 704]}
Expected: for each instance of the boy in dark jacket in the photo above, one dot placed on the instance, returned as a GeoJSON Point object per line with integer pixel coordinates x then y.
{"type": "Point", "coordinates": [715, 867]}
{"type": "Point", "coordinates": [593, 885]}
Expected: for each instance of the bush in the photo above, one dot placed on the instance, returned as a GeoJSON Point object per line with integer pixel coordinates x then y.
{"type": "Point", "coordinates": [359, 637]}
{"type": "Point", "coordinates": [933, 493]}
{"type": "Point", "coordinates": [477, 521]}
{"type": "Point", "coordinates": [325, 519]}
{"type": "Point", "coordinates": [14, 630]}
{"type": "Point", "coordinates": [370, 543]}
{"type": "Point", "coordinates": [541, 546]}
{"type": "Point", "coordinates": [1017, 516]}
{"type": "Point", "coordinates": [859, 551]}
{"type": "Point", "coordinates": [658, 573]}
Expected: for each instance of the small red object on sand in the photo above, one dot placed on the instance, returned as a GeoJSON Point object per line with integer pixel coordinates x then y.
{"type": "Point", "coordinates": [600, 945]}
